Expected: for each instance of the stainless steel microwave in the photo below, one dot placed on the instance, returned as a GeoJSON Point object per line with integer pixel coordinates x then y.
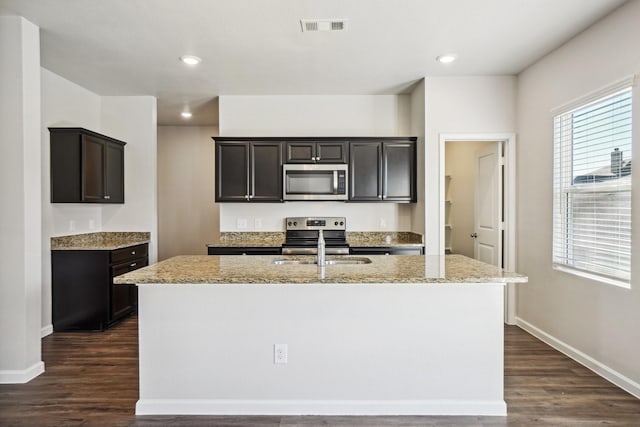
{"type": "Point", "coordinates": [315, 181]}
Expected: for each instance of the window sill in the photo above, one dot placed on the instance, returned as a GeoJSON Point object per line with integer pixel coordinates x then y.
{"type": "Point", "coordinates": [593, 276]}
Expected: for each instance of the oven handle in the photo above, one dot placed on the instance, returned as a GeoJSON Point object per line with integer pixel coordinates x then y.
{"type": "Point", "coordinates": [335, 182]}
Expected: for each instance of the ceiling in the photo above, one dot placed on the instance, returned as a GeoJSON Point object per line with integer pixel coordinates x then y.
{"type": "Point", "coordinates": [256, 47]}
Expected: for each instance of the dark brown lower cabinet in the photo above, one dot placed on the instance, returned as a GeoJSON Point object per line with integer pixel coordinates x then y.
{"type": "Point", "coordinates": [83, 294]}
{"type": "Point", "coordinates": [385, 250]}
{"type": "Point", "coordinates": [245, 250]}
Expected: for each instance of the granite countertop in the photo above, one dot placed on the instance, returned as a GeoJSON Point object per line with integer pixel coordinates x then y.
{"type": "Point", "coordinates": [208, 269]}
{"type": "Point", "coordinates": [384, 239]}
{"type": "Point", "coordinates": [104, 240]}
{"type": "Point", "coordinates": [250, 239]}
{"type": "Point", "coordinates": [354, 238]}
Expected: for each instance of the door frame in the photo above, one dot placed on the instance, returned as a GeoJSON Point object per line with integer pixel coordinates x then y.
{"type": "Point", "coordinates": [509, 202]}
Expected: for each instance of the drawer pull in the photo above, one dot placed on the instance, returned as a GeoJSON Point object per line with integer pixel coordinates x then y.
{"type": "Point", "coordinates": [133, 252]}
{"type": "Point", "coordinates": [133, 265]}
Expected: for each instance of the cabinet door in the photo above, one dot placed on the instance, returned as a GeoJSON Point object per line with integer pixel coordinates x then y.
{"type": "Point", "coordinates": [232, 172]}
{"type": "Point", "coordinates": [266, 172]}
{"type": "Point", "coordinates": [301, 152]}
{"type": "Point", "coordinates": [114, 191]}
{"type": "Point", "coordinates": [331, 152]}
{"type": "Point", "coordinates": [93, 169]}
{"type": "Point", "coordinates": [398, 172]}
{"type": "Point", "coordinates": [365, 168]}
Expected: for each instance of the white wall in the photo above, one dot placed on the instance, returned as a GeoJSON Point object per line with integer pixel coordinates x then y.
{"type": "Point", "coordinates": [600, 321]}
{"type": "Point", "coordinates": [316, 115]}
{"type": "Point", "coordinates": [188, 217]}
{"type": "Point", "coordinates": [20, 251]}
{"type": "Point", "coordinates": [418, 120]}
{"type": "Point", "coordinates": [131, 119]}
{"type": "Point", "coordinates": [458, 105]}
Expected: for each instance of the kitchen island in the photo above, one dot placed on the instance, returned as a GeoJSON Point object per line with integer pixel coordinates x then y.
{"type": "Point", "coordinates": [242, 335]}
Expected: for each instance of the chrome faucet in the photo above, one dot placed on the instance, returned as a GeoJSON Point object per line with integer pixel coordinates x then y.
{"type": "Point", "coordinates": [321, 249]}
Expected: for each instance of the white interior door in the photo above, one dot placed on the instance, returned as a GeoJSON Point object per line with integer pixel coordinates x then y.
{"type": "Point", "coordinates": [488, 206]}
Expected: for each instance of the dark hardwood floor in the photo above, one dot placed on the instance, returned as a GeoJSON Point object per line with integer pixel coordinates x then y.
{"type": "Point", "coordinates": [92, 379]}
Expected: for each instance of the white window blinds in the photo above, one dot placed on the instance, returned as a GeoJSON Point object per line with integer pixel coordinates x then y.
{"type": "Point", "coordinates": [592, 188]}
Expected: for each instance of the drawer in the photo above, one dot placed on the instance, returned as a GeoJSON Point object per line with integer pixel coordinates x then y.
{"type": "Point", "coordinates": [128, 266]}
{"type": "Point", "coordinates": [132, 252]}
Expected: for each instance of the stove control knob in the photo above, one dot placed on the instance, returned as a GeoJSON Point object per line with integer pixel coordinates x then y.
{"type": "Point", "coordinates": [289, 223]}
{"type": "Point", "coordinates": [335, 223]}
{"type": "Point", "coordinates": [295, 222]}
{"type": "Point", "coordinates": [341, 222]}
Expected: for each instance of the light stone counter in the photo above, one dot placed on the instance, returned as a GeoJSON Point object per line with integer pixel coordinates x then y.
{"type": "Point", "coordinates": [203, 269]}
{"type": "Point", "coordinates": [99, 241]}
{"type": "Point", "coordinates": [354, 238]}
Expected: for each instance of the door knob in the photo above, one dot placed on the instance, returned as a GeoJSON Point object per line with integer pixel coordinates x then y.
{"type": "Point", "coordinates": [474, 235]}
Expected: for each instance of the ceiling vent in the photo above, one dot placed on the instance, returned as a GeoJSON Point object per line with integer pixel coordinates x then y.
{"type": "Point", "coordinates": [310, 25]}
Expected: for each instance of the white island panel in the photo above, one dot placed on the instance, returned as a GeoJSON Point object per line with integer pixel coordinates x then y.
{"type": "Point", "coordinates": [388, 348]}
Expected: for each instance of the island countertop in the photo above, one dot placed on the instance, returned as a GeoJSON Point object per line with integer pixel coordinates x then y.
{"type": "Point", "coordinates": [207, 269]}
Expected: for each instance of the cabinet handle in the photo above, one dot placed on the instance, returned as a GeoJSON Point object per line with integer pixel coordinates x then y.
{"type": "Point", "coordinates": [133, 252]}
{"type": "Point", "coordinates": [380, 196]}
{"type": "Point", "coordinates": [107, 197]}
{"type": "Point", "coordinates": [133, 264]}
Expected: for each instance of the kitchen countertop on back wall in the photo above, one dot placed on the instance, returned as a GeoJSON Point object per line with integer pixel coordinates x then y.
{"type": "Point", "coordinates": [355, 239]}
{"type": "Point", "coordinates": [103, 240]}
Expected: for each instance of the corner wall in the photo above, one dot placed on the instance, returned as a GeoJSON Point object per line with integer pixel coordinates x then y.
{"type": "Point", "coordinates": [131, 119]}
{"type": "Point", "coordinates": [593, 322]}
{"type": "Point", "coordinates": [460, 105]}
{"type": "Point", "coordinates": [20, 228]}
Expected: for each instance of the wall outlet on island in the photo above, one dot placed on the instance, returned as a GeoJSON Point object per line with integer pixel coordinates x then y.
{"type": "Point", "coordinates": [241, 223]}
{"type": "Point", "coordinates": [382, 223]}
{"type": "Point", "coordinates": [257, 223]}
{"type": "Point", "coordinates": [279, 353]}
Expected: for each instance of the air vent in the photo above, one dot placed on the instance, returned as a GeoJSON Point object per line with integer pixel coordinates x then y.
{"type": "Point", "coordinates": [309, 25]}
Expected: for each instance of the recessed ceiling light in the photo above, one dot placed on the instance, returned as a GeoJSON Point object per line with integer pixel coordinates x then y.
{"type": "Point", "coordinates": [186, 115]}
{"type": "Point", "coordinates": [447, 58]}
{"type": "Point", "coordinates": [190, 59]}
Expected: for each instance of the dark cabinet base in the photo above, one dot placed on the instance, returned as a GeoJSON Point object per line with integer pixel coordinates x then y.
{"type": "Point", "coordinates": [379, 250]}
{"type": "Point", "coordinates": [253, 250]}
{"type": "Point", "coordinates": [84, 297]}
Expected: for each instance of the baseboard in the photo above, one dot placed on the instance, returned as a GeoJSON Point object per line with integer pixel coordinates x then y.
{"type": "Point", "coordinates": [319, 407]}
{"type": "Point", "coordinates": [589, 362]}
{"type": "Point", "coordinates": [21, 376]}
{"type": "Point", "coordinates": [46, 330]}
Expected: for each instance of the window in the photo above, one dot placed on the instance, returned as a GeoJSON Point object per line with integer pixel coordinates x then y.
{"type": "Point", "coordinates": [592, 189]}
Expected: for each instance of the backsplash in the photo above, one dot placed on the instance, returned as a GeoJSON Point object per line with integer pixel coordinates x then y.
{"type": "Point", "coordinates": [243, 217]}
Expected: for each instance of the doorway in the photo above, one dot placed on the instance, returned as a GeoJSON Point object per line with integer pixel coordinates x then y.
{"type": "Point", "coordinates": [474, 223]}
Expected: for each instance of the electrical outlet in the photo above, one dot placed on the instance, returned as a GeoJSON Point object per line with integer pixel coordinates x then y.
{"type": "Point", "coordinates": [257, 223]}
{"type": "Point", "coordinates": [279, 353]}
{"type": "Point", "coordinates": [241, 223]}
{"type": "Point", "coordinates": [72, 225]}
{"type": "Point", "coordinates": [382, 223]}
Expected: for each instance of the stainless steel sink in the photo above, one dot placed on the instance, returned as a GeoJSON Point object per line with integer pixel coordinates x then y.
{"type": "Point", "coordinates": [330, 261]}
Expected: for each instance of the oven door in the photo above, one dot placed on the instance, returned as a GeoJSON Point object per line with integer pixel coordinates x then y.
{"type": "Point", "coordinates": [315, 182]}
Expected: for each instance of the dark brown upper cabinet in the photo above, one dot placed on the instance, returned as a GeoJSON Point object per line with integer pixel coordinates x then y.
{"type": "Point", "coordinates": [248, 171]}
{"type": "Point", "coordinates": [86, 167]}
{"type": "Point", "coordinates": [383, 171]}
{"type": "Point", "coordinates": [316, 152]}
